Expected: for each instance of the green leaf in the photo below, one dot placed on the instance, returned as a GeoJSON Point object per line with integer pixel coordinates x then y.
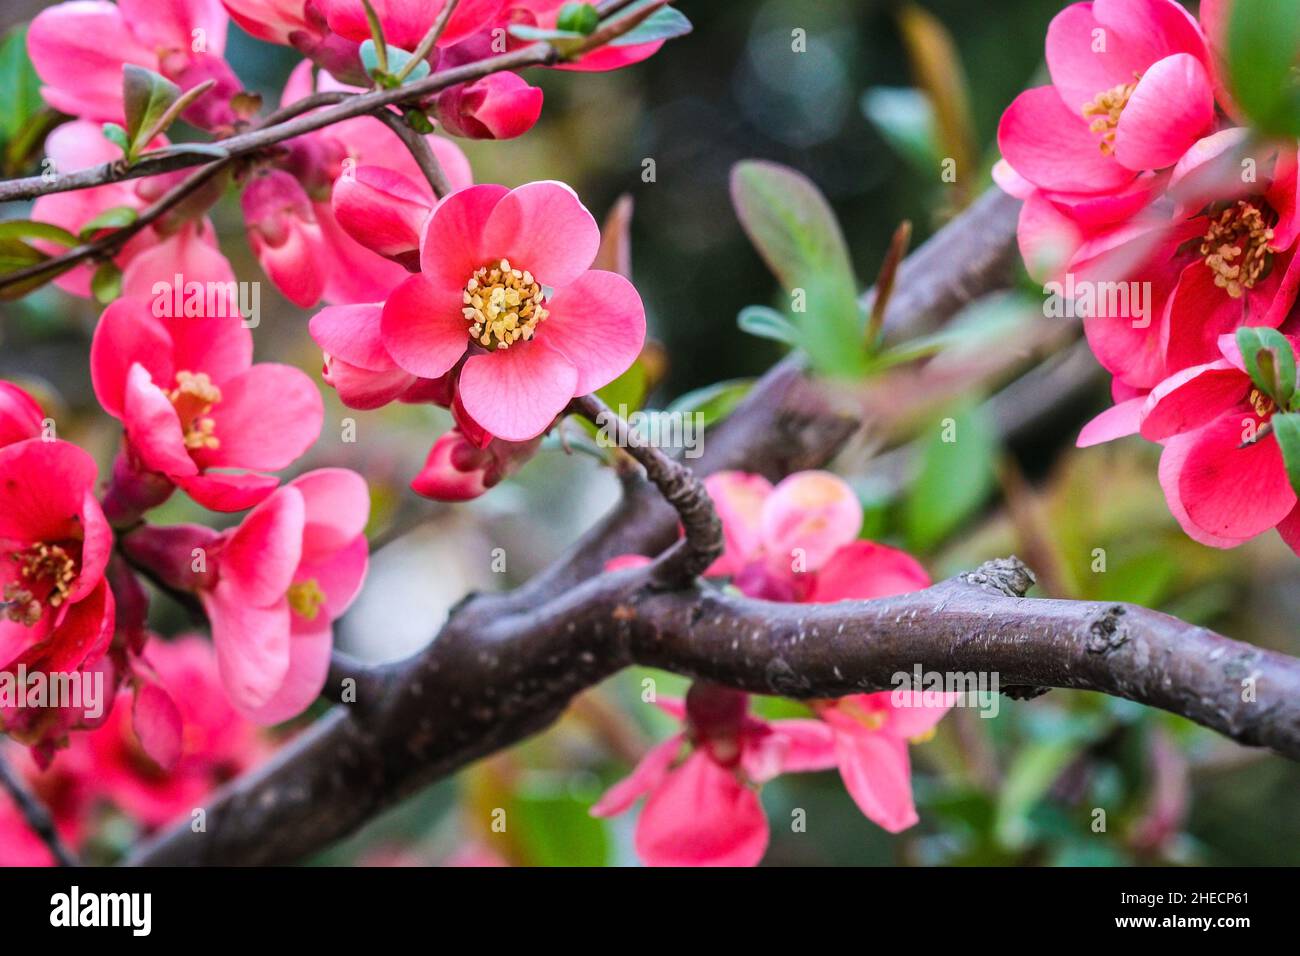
{"type": "Point", "coordinates": [553, 827]}
{"type": "Point", "coordinates": [790, 223]}
{"type": "Point", "coordinates": [1286, 426]}
{"type": "Point", "coordinates": [767, 323]}
{"type": "Point", "coordinates": [117, 136]}
{"type": "Point", "coordinates": [714, 402]}
{"type": "Point", "coordinates": [1270, 360]}
{"type": "Point", "coordinates": [956, 476]}
{"type": "Point", "coordinates": [795, 231]}
{"type": "Point", "coordinates": [106, 283]}
{"type": "Point", "coordinates": [15, 254]}
{"type": "Point", "coordinates": [27, 229]}
{"type": "Point", "coordinates": [1262, 51]}
{"type": "Point", "coordinates": [564, 41]}
{"type": "Point", "coordinates": [115, 217]}
{"type": "Point", "coordinates": [395, 59]}
{"type": "Point", "coordinates": [21, 85]}
{"type": "Point", "coordinates": [147, 96]}
{"type": "Point", "coordinates": [578, 18]}
{"type": "Point", "coordinates": [664, 24]}
{"type": "Point", "coordinates": [905, 118]}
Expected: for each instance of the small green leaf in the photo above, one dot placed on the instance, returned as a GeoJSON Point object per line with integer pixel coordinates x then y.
{"type": "Point", "coordinates": [117, 136]}
{"type": "Point", "coordinates": [1263, 49]}
{"type": "Point", "coordinates": [15, 254]}
{"type": "Point", "coordinates": [21, 85]}
{"type": "Point", "coordinates": [1270, 361]}
{"type": "Point", "coordinates": [956, 476]}
{"type": "Point", "coordinates": [106, 283]}
{"type": "Point", "coordinates": [564, 41]}
{"type": "Point", "coordinates": [767, 323]}
{"type": "Point", "coordinates": [714, 402]}
{"type": "Point", "coordinates": [114, 217]}
{"type": "Point", "coordinates": [905, 118]}
{"type": "Point", "coordinates": [578, 18]}
{"type": "Point", "coordinates": [1286, 426]}
{"type": "Point", "coordinates": [664, 24]}
{"type": "Point", "coordinates": [28, 229]}
{"type": "Point", "coordinates": [378, 45]}
{"type": "Point", "coordinates": [395, 59]}
{"type": "Point", "coordinates": [147, 97]}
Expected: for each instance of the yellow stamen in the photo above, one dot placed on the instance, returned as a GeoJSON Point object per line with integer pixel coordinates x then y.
{"type": "Point", "coordinates": [1104, 112]}
{"type": "Point", "coordinates": [1236, 247]}
{"type": "Point", "coordinates": [193, 398]}
{"type": "Point", "coordinates": [49, 562]}
{"type": "Point", "coordinates": [1261, 403]}
{"type": "Point", "coordinates": [306, 598]}
{"type": "Point", "coordinates": [502, 305]}
{"type": "Point", "coordinates": [20, 605]}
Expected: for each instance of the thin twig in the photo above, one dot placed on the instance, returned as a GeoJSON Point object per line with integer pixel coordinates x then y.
{"type": "Point", "coordinates": [111, 243]}
{"type": "Point", "coordinates": [37, 817]}
{"type": "Point", "coordinates": [678, 484]}
{"type": "Point", "coordinates": [420, 151]}
{"type": "Point", "coordinates": [430, 38]}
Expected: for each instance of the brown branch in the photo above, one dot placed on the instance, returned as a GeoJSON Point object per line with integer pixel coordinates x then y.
{"type": "Point", "coordinates": [420, 151]}
{"type": "Point", "coordinates": [37, 817]}
{"type": "Point", "coordinates": [487, 682]}
{"type": "Point", "coordinates": [679, 486]}
{"type": "Point", "coordinates": [111, 243]}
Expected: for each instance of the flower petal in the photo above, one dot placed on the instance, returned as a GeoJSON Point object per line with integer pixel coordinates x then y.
{"type": "Point", "coordinates": [516, 393]}
{"type": "Point", "coordinates": [422, 327]}
{"type": "Point", "coordinates": [646, 776]}
{"type": "Point", "coordinates": [863, 570]}
{"type": "Point", "coordinates": [598, 324]}
{"type": "Point", "coordinates": [545, 228]}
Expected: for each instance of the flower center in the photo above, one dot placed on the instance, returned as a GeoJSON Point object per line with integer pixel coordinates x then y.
{"type": "Point", "coordinates": [1261, 403]}
{"type": "Point", "coordinates": [305, 598]}
{"type": "Point", "coordinates": [193, 398]}
{"type": "Point", "coordinates": [1104, 112]}
{"type": "Point", "coordinates": [49, 564]}
{"type": "Point", "coordinates": [1236, 249]}
{"type": "Point", "coordinates": [871, 719]}
{"type": "Point", "coordinates": [502, 305]}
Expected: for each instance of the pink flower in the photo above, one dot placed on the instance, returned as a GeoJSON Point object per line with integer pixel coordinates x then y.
{"type": "Point", "coordinates": [79, 49]}
{"type": "Point", "coordinates": [281, 578]}
{"type": "Point", "coordinates": [702, 806]}
{"type": "Point", "coordinates": [358, 366]}
{"type": "Point", "coordinates": [498, 106]}
{"type": "Point", "coordinates": [63, 789]}
{"type": "Point", "coordinates": [182, 698]}
{"type": "Point", "coordinates": [1131, 91]}
{"type": "Point", "coordinates": [405, 22]}
{"type": "Point", "coordinates": [799, 541]}
{"type": "Point", "coordinates": [458, 470]}
{"type": "Point", "coordinates": [193, 404]}
{"type": "Point", "coordinates": [1221, 468]}
{"type": "Point", "coordinates": [487, 253]}
{"type": "Point", "coordinates": [156, 253]}
{"type": "Point", "coordinates": [20, 416]}
{"type": "Point", "coordinates": [314, 249]}
{"type": "Point", "coordinates": [871, 734]}
{"type": "Point", "coordinates": [545, 13]}
{"type": "Point", "coordinates": [56, 609]}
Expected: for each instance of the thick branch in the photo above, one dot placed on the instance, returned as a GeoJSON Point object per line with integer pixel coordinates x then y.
{"type": "Point", "coordinates": [487, 682]}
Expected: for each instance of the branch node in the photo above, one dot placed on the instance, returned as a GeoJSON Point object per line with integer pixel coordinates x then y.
{"type": "Point", "coordinates": [1008, 576]}
{"type": "Point", "coordinates": [1108, 631]}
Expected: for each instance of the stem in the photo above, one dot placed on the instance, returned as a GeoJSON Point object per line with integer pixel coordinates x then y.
{"type": "Point", "coordinates": [429, 40]}
{"type": "Point", "coordinates": [420, 151]}
{"type": "Point", "coordinates": [680, 486]}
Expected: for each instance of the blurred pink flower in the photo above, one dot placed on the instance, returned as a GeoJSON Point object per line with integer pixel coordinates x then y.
{"type": "Point", "coordinates": [20, 416]}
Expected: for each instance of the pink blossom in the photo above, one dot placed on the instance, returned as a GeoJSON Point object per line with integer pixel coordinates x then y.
{"type": "Point", "coordinates": [56, 609]}
{"type": "Point", "coordinates": [871, 734]}
{"type": "Point", "coordinates": [405, 22]}
{"type": "Point", "coordinates": [701, 785]}
{"type": "Point", "coordinates": [313, 248]}
{"type": "Point", "coordinates": [545, 13]}
{"type": "Point", "coordinates": [193, 404]}
{"type": "Point", "coordinates": [1221, 468]}
{"type": "Point", "coordinates": [281, 578]}
{"type": "Point", "coordinates": [799, 541]}
{"type": "Point", "coordinates": [212, 742]}
{"type": "Point", "coordinates": [79, 48]}
{"type": "Point", "coordinates": [20, 416]}
{"type": "Point", "coordinates": [487, 253]}
{"type": "Point", "coordinates": [155, 254]}
{"type": "Point", "coordinates": [498, 106]}
{"type": "Point", "coordinates": [1131, 91]}
{"type": "Point", "coordinates": [458, 470]}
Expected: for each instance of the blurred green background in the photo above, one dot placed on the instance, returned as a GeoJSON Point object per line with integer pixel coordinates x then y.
{"type": "Point", "coordinates": [1021, 788]}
